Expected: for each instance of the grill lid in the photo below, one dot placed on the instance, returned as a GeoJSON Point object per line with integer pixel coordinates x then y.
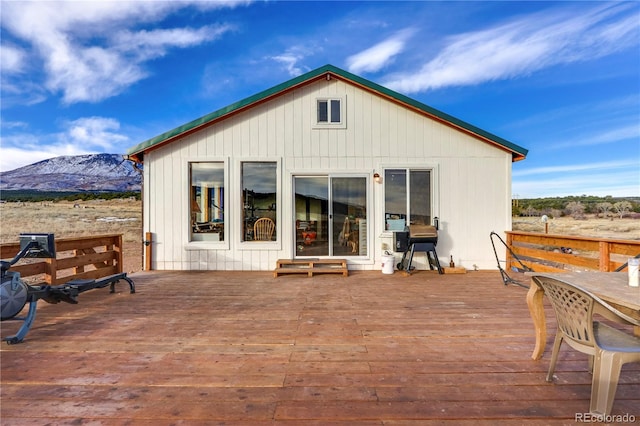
{"type": "Point", "coordinates": [423, 231]}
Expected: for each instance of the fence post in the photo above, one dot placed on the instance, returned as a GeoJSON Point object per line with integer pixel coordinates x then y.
{"type": "Point", "coordinates": [119, 252]}
{"type": "Point", "coordinates": [78, 269]}
{"type": "Point", "coordinates": [508, 260]}
{"type": "Point", "coordinates": [147, 251]}
{"type": "Point", "coordinates": [50, 275]}
{"type": "Point", "coordinates": [604, 256]}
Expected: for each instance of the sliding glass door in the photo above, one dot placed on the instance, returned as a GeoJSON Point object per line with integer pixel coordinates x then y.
{"type": "Point", "coordinates": [330, 216]}
{"type": "Point", "coordinates": [311, 215]}
{"type": "Point", "coordinates": [349, 216]}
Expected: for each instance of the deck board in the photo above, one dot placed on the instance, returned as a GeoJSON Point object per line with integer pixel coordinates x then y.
{"type": "Point", "coordinates": [239, 348]}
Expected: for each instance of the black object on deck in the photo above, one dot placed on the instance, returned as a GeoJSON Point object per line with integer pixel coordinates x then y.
{"type": "Point", "coordinates": [421, 238]}
{"type": "Point", "coordinates": [506, 279]}
{"type": "Point", "coordinates": [15, 293]}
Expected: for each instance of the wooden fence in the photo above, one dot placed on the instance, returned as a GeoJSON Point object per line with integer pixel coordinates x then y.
{"type": "Point", "coordinates": [561, 253]}
{"type": "Point", "coordinates": [76, 258]}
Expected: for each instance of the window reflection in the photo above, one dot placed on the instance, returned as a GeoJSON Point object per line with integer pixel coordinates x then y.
{"type": "Point", "coordinates": [207, 201]}
{"type": "Point", "coordinates": [407, 198]}
{"type": "Point", "coordinates": [395, 199]}
{"type": "Point", "coordinates": [336, 228]}
{"type": "Point", "coordinates": [420, 197]}
{"type": "Point", "coordinates": [259, 183]}
{"type": "Point", "coordinates": [312, 214]}
{"type": "Point", "coordinates": [349, 216]}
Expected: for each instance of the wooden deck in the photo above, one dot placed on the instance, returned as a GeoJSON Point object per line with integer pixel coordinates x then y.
{"type": "Point", "coordinates": [244, 348]}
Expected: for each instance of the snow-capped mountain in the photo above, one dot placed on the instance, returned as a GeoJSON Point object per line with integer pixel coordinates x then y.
{"type": "Point", "coordinates": [96, 172]}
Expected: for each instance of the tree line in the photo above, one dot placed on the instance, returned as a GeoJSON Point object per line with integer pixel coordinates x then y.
{"type": "Point", "coordinates": [577, 206]}
{"type": "Point", "coordinates": [39, 196]}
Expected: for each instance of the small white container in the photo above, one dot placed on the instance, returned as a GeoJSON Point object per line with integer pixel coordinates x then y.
{"type": "Point", "coordinates": [633, 266]}
{"type": "Point", "coordinates": [388, 262]}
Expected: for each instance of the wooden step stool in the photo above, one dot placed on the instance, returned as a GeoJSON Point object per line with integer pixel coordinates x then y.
{"type": "Point", "coordinates": [311, 267]}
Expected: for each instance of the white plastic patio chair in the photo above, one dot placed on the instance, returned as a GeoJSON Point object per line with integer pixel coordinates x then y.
{"type": "Point", "coordinates": [608, 347]}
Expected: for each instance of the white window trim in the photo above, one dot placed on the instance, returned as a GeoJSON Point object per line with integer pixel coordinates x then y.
{"type": "Point", "coordinates": [367, 259]}
{"type": "Point", "coordinates": [204, 245]}
{"type": "Point", "coordinates": [343, 113]}
{"type": "Point", "coordinates": [237, 217]}
{"type": "Point", "coordinates": [435, 186]}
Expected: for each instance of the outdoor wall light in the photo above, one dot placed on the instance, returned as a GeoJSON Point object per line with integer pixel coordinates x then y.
{"type": "Point", "coordinates": [377, 178]}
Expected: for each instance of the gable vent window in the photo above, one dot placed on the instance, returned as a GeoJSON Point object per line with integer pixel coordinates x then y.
{"type": "Point", "coordinates": [330, 113]}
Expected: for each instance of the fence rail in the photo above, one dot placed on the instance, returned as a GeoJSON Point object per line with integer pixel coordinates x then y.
{"type": "Point", "coordinates": [76, 258]}
{"type": "Point", "coordinates": [560, 253]}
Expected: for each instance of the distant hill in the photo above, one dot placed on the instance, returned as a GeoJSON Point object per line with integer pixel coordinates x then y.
{"type": "Point", "coordinates": [75, 173]}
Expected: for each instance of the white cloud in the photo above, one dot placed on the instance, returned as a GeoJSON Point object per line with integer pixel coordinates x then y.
{"type": "Point", "coordinates": [567, 168]}
{"type": "Point", "coordinates": [90, 74]}
{"type": "Point", "coordinates": [14, 63]}
{"type": "Point", "coordinates": [16, 157]}
{"type": "Point", "coordinates": [619, 109]}
{"type": "Point", "coordinates": [21, 92]}
{"type": "Point", "coordinates": [87, 135]}
{"type": "Point", "coordinates": [292, 57]}
{"type": "Point", "coordinates": [605, 136]}
{"type": "Point", "coordinates": [14, 124]}
{"type": "Point", "coordinates": [290, 61]}
{"type": "Point", "coordinates": [12, 59]}
{"type": "Point", "coordinates": [376, 57]}
{"type": "Point", "coordinates": [84, 46]}
{"type": "Point", "coordinates": [525, 45]}
{"type": "Point", "coordinates": [155, 43]}
{"type": "Point", "coordinates": [578, 125]}
{"type": "Point", "coordinates": [95, 132]}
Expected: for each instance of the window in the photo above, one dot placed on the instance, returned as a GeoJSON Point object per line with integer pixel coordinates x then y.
{"type": "Point", "coordinates": [329, 112]}
{"type": "Point", "coordinates": [259, 188]}
{"type": "Point", "coordinates": [407, 198]}
{"type": "Point", "coordinates": [206, 201]}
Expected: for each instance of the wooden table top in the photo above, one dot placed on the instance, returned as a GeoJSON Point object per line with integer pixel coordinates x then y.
{"type": "Point", "coordinates": [610, 286]}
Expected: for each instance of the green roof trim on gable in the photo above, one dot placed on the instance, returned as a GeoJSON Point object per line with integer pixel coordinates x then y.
{"type": "Point", "coordinates": [518, 152]}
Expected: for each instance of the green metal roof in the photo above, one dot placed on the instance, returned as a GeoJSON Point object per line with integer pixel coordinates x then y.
{"type": "Point", "coordinates": [518, 152]}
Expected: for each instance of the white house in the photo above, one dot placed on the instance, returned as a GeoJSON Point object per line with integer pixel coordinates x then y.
{"type": "Point", "coordinates": [336, 162]}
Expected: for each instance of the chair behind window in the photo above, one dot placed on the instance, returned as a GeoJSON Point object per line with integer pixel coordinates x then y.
{"type": "Point", "coordinates": [263, 229]}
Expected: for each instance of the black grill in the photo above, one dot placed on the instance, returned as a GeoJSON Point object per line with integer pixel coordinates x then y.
{"type": "Point", "coordinates": [421, 238]}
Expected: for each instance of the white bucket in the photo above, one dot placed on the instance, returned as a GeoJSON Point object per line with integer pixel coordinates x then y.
{"type": "Point", "coordinates": [388, 263]}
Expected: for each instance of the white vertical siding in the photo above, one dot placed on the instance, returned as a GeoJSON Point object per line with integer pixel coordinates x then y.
{"type": "Point", "coordinates": [473, 177]}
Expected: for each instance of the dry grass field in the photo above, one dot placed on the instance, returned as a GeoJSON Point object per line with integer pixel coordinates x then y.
{"type": "Point", "coordinates": [591, 226]}
{"type": "Point", "coordinates": [83, 218]}
{"type": "Point", "coordinates": [68, 219]}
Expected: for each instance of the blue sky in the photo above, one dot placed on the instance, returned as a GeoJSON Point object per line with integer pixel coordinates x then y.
{"type": "Point", "coordinates": [561, 79]}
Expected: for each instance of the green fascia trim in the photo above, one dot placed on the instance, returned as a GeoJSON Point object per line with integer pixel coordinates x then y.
{"type": "Point", "coordinates": [311, 75]}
